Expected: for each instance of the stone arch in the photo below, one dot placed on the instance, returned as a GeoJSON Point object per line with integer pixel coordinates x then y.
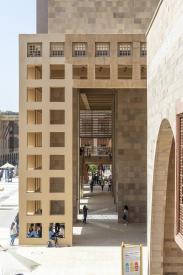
{"type": "Point", "coordinates": [163, 149]}
{"type": "Point", "coordinates": [165, 255]}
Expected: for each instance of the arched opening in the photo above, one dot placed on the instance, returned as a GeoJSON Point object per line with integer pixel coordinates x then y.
{"type": "Point", "coordinates": [165, 255]}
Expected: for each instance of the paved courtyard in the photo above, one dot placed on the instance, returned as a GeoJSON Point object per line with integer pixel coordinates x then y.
{"type": "Point", "coordinates": [96, 245]}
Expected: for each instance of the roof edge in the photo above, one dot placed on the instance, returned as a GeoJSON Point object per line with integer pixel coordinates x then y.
{"type": "Point", "coordinates": [153, 18]}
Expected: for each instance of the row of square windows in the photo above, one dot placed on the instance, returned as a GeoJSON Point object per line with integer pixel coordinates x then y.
{"type": "Point", "coordinates": [34, 139]}
{"type": "Point", "coordinates": [57, 71]}
{"type": "Point", "coordinates": [79, 49]}
{"type": "Point", "coordinates": [34, 207]}
{"type": "Point", "coordinates": [56, 117]}
{"type": "Point", "coordinates": [57, 94]}
{"type": "Point", "coordinates": [56, 162]}
{"type": "Point", "coordinates": [56, 185]}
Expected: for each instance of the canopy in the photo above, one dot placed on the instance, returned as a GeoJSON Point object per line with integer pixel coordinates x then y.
{"type": "Point", "coordinates": [7, 166]}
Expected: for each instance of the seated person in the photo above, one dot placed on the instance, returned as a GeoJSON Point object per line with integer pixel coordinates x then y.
{"type": "Point", "coordinates": [61, 232]}
{"type": "Point", "coordinates": [34, 232]}
{"type": "Point", "coordinates": [52, 236]}
{"type": "Point", "coordinates": [38, 231]}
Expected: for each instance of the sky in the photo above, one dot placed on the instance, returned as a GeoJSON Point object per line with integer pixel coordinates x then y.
{"type": "Point", "coordinates": [16, 16]}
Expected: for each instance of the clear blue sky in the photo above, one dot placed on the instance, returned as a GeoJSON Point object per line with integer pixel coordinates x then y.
{"type": "Point", "coordinates": [16, 16]}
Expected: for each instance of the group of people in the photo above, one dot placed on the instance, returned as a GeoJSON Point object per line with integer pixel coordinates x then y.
{"type": "Point", "coordinates": [34, 230]}
{"type": "Point", "coordinates": [101, 181]}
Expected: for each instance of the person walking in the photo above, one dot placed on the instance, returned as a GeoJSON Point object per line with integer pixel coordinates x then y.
{"type": "Point", "coordinates": [125, 214]}
{"type": "Point", "coordinates": [13, 233]}
{"type": "Point", "coordinates": [85, 213]}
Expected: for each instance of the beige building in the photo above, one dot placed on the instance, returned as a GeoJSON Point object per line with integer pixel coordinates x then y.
{"type": "Point", "coordinates": [165, 139]}
{"type": "Point", "coordinates": [9, 140]}
{"type": "Point", "coordinates": [88, 57]}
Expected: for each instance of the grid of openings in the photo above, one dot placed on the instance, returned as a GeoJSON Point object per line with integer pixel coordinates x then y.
{"type": "Point", "coordinates": [181, 175]}
{"type": "Point", "coordinates": [56, 49]}
{"type": "Point", "coordinates": [79, 49]}
{"type": "Point", "coordinates": [124, 49]}
{"type": "Point", "coordinates": [34, 49]}
{"type": "Point", "coordinates": [102, 49]}
{"type": "Point", "coordinates": [143, 49]}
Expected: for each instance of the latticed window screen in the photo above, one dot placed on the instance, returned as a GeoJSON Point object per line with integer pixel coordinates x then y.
{"type": "Point", "coordinates": [56, 49]}
{"type": "Point", "coordinates": [102, 49]}
{"type": "Point", "coordinates": [95, 124]}
{"type": "Point", "coordinates": [143, 49]}
{"type": "Point", "coordinates": [79, 49]}
{"type": "Point", "coordinates": [34, 49]}
{"type": "Point", "coordinates": [124, 49]}
{"type": "Point", "coordinates": [180, 176]}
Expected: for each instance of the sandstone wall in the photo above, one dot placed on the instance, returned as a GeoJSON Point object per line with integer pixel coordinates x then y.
{"type": "Point", "coordinates": [100, 16]}
{"type": "Point", "coordinates": [165, 90]}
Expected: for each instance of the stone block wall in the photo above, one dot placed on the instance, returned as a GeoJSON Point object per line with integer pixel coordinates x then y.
{"type": "Point", "coordinates": [100, 16]}
{"type": "Point", "coordinates": [164, 90]}
{"type": "Point", "coordinates": [131, 136]}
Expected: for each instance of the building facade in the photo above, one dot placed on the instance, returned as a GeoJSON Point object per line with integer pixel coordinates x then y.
{"type": "Point", "coordinates": [9, 138]}
{"type": "Point", "coordinates": [93, 50]}
{"type": "Point", "coordinates": [165, 110]}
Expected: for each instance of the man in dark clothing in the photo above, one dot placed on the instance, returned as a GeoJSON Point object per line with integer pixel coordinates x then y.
{"type": "Point", "coordinates": [85, 212]}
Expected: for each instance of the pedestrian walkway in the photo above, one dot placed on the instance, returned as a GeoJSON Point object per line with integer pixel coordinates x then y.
{"type": "Point", "coordinates": [102, 217]}
{"type": "Point", "coordinates": [96, 245]}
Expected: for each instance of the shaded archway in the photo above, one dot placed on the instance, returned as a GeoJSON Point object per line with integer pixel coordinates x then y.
{"type": "Point", "coordinates": [165, 255]}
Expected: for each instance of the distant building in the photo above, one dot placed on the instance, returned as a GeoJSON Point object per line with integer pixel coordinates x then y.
{"type": "Point", "coordinates": [9, 141]}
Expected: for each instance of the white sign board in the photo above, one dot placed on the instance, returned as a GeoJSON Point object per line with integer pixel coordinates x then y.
{"type": "Point", "coordinates": [131, 260]}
